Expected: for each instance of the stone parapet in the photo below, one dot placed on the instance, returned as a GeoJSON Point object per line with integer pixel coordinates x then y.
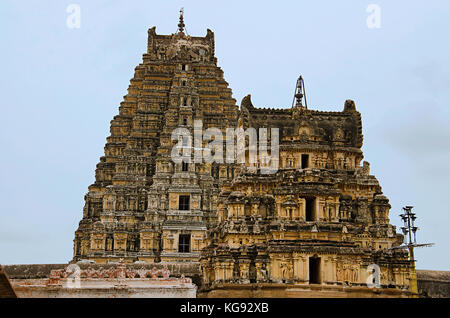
{"type": "Point", "coordinates": [104, 280]}
{"type": "Point", "coordinates": [433, 284]}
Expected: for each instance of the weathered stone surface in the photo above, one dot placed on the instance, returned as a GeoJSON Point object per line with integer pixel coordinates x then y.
{"type": "Point", "coordinates": [6, 289]}
{"type": "Point", "coordinates": [273, 290]}
{"type": "Point", "coordinates": [319, 222]}
{"type": "Point", "coordinates": [321, 219]}
{"type": "Point", "coordinates": [133, 209]}
{"type": "Point", "coordinates": [147, 290]}
{"type": "Point", "coordinates": [109, 281]}
{"type": "Point", "coordinates": [434, 284]}
{"type": "Point", "coordinates": [37, 271]}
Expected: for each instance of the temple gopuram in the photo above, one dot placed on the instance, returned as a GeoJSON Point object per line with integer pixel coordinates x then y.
{"type": "Point", "coordinates": [143, 206]}
{"type": "Point", "coordinates": [321, 219]}
{"type": "Point", "coordinates": [317, 226]}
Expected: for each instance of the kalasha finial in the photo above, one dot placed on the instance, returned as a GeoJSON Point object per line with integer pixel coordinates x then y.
{"type": "Point", "coordinates": [181, 24]}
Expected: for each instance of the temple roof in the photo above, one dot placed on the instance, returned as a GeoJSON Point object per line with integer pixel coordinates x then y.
{"type": "Point", "coordinates": [342, 128]}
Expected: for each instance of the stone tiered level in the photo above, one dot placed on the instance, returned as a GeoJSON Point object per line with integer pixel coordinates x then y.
{"type": "Point", "coordinates": [321, 219]}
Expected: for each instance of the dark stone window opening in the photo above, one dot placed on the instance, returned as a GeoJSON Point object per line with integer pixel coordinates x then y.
{"type": "Point", "coordinates": [305, 160]}
{"type": "Point", "coordinates": [184, 243]}
{"type": "Point", "coordinates": [310, 213]}
{"type": "Point", "coordinates": [183, 202]}
{"type": "Point", "coordinates": [314, 270]}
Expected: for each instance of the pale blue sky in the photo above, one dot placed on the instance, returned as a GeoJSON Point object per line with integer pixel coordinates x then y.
{"type": "Point", "coordinates": [60, 88]}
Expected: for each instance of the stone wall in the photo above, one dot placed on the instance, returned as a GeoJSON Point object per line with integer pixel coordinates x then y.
{"type": "Point", "coordinates": [433, 284]}
{"type": "Point", "coordinates": [35, 271]}
{"type": "Point", "coordinates": [105, 288]}
{"type": "Point", "coordinates": [168, 280]}
{"type": "Point", "coordinates": [33, 281]}
{"type": "Point", "coordinates": [271, 290]}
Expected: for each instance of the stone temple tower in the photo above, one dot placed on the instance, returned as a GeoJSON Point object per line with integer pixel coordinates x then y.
{"type": "Point", "coordinates": [317, 227]}
{"type": "Point", "coordinates": [143, 206]}
{"type": "Point", "coordinates": [318, 222]}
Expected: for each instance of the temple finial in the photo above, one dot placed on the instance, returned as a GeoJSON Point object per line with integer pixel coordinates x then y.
{"type": "Point", "coordinates": [181, 24]}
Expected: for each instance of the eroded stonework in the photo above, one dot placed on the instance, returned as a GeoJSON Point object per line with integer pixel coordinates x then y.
{"type": "Point", "coordinates": [133, 210]}
{"type": "Point", "coordinates": [321, 219]}
{"type": "Point", "coordinates": [113, 281]}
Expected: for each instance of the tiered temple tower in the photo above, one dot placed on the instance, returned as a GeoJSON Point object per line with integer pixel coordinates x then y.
{"type": "Point", "coordinates": [320, 219]}
{"type": "Point", "coordinates": [143, 206]}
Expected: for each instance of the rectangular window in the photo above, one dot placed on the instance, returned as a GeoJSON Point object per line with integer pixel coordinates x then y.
{"type": "Point", "coordinates": [310, 213]}
{"type": "Point", "coordinates": [305, 161]}
{"type": "Point", "coordinates": [183, 202]}
{"type": "Point", "coordinates": [314, 270]}
{"type": "Point", "coordinates": [184, 243]}
{"type": "Point", "coordinates": [184, 166]}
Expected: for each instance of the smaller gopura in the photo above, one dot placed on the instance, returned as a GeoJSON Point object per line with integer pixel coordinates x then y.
{"type": "Point", "coordinates": [320, 220]}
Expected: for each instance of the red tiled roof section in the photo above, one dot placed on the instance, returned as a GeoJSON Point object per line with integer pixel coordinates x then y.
{"type": "Point", "coordinates": [6, 290]}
